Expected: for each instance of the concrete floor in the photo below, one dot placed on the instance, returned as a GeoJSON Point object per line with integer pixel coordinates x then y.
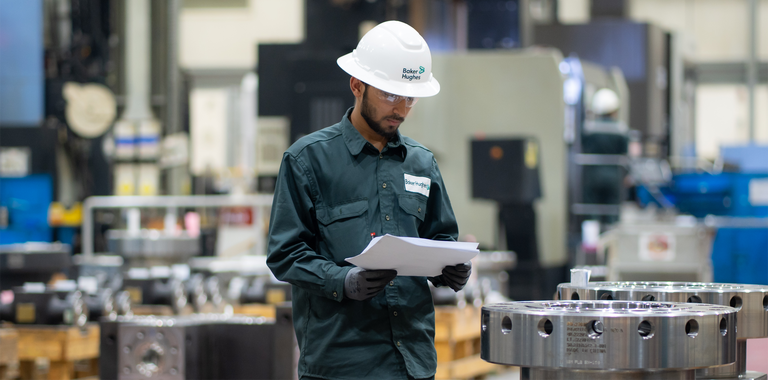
{"type": "Point", "coordinates": [512, 374]}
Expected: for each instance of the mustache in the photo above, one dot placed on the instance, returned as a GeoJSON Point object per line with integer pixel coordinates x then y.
{"type": "Point", "coordinates": [395, 118]}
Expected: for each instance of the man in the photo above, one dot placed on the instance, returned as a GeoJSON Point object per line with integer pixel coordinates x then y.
{"type": "Point", "coordinates": [342, 185]}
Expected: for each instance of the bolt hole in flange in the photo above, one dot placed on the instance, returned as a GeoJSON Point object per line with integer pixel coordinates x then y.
{"type": "Point", "coordinates": [595, 329]}
{"type": "Point", "coordinates": [606, 296]}
{"type": "Point", "coordinates": [545, 327]}
{"type": "Point", "coordinates": [736, 302]}
{"type": "Point", "coordinates": [575, 296]}
{"type": "Point", "coordinates": [723, 327]}
{"type": "Point", "coordinates": [649, 297]}
{"type": "Point", "coordinates": [694, 299]}
{"type": "Point", "coordinates": [506, 325]}
{"type": "Point", "coordinates": [645, 329]}
{"type": "Point", "coordinates": [692, 328]}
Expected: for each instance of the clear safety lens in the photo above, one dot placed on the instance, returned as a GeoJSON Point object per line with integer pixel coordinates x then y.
{"type": "Point", "coordinates": [394, 100]}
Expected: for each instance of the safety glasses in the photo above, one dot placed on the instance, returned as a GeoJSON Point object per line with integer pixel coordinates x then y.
{"type": "Point", "coordinates": [392, 99]}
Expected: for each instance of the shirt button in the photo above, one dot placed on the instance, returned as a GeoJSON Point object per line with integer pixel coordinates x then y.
{"type": "Point", "coordinates": [395, 314]}
{"type": "Point", "coordinates": [381, 156]}
{"type": "Point", "coordinates": [335, 294]}
{"type": "Point", "coordinates": [384, 185]}
{"type": "Point", "coordinates": [419, 210]}
{"type": "Point", "coordinates": [391, 283]}
{"type": "Point", "coordinates": [398, 343]}
{"type": "Point", "coordinates": [386, 217]}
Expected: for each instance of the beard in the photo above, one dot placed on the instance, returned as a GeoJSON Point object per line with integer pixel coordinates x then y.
{"type": "Point", "coordinates": [376, 126]}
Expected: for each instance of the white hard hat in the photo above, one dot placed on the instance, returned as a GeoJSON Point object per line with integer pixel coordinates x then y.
{"type": "Point", "coordinates": [605, 101]}
{"type": "Point", "coordinates": [393, 57]}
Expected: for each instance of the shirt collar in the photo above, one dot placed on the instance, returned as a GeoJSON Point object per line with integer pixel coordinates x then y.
{"type": "Point", "coordinates": [356, 142]}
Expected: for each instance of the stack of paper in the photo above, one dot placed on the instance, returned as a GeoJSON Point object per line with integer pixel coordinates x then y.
{"type": "Point", "coordinates": [413, 256]}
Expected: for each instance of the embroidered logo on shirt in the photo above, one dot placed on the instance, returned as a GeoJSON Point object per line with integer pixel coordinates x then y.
{"type": "Point", "coordinates": [417, 184]}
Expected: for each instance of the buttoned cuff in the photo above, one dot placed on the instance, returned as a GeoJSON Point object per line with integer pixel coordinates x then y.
{"type": "Point", "coordinates": [334, 285]}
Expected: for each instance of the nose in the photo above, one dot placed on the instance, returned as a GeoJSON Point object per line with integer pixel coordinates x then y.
{"type": "Point", "coordinates": [400, 109]}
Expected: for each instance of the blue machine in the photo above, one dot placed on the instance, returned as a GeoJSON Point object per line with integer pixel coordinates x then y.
{"type": "Point", "coordinates": [26, 200]}
{"type": "Point", "coordinates": [740, 202]}
{"type": "Point", "coordinates": [702, 194]}
{"type": "Point", "coordinates": [740, 254]}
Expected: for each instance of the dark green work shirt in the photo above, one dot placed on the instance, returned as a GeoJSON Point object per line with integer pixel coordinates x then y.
{"type": "Point", "coordinates": [334, 189]}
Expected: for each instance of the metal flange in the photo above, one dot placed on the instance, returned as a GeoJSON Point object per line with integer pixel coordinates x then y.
{"type": "Point", "coordinates": [751, 301]}
{"type": "Point", "coordinates": [608, 336]}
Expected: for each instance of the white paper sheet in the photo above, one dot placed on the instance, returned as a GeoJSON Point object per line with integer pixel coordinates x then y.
{"type": "Point", "coordinates": [413, 256]}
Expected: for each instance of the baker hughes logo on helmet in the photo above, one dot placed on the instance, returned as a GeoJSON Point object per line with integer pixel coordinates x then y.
{"type": "Point", "coordinates": [412, 74]}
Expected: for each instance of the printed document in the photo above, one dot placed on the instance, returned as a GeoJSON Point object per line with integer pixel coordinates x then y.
{"type": "Point", "coordinates": [413, 256]}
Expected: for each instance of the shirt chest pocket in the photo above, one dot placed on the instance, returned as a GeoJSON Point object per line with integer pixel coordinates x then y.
{"type": "Point", "coordinates": [344, 229]}
{"type": "Point", "coordinates": [413, 209]}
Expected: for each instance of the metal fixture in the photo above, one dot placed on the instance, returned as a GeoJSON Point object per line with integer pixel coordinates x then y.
{"type": "Point", "coordinates": [32, 262]}
{"type": "Point", "coordinates": [750, 301]}
{"type": "Point", "coordinates": [167, 291]}
{"type": "Point", "coordinates": [33, 304]}
{"type": "Point", "coordinates": [259, 204]}
{"type": "Point", "coordinates": [599, 340]}
{"type": "Point", "coordinates": [200, 346]}
{"type": "Point", "coordinates": [153, 247]}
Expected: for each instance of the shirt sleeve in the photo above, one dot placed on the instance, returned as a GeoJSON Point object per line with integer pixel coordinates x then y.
{"type": "Point", "coordinates": [440, 222]}
{"type": "Point", "coordinates": [293, 235]}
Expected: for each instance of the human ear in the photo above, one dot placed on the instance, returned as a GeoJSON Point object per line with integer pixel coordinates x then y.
{"type": "Point", "coordinates": [357, 87]}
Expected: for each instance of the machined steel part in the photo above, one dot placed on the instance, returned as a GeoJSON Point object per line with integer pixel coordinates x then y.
{"type": "Point", "coordinates": [751, 301]}
{"type": "Point", "coordinates": [605, 339]}
{"type": "Point", "coordinates": [158, 347]}
{"type": "Point", "coordinates": [152, 247]}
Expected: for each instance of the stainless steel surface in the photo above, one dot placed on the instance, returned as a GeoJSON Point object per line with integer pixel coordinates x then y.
{"type": "Point", "coordinates": [751, 301]}
{"type": "Point", "coordinates": [492, 272]}
{"type": "Point", "coordinates": [495, 261]}
{"type": "Point", "coordinates": [730, 371]}
{"type": "Point", "coordinates": [35, 247]}
{"type": "Point", "coordinates": [658, 251]}
{"type": "Point", "coordinates": [153, 247]}
{"type": "Point", "coordinates": [609, 336]}
{"type": "Point", "coordinates": [195, 347]}
{"type": "Point", "coordinates": [123, 303]}
{"type": "Point", "coordinates": [564, 374]}
{"type": "Point", "coordinates": [78, 315]}
{"type": "Point", "coordinates": [151, 347]}
{"type": "Point", "coordinates": [749, 375]}
{"type": "Point", "coordinates": [106, 202]}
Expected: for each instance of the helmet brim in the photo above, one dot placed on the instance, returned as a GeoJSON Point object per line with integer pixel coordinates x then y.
{"type": "Point", "coordinates": [426, 89]}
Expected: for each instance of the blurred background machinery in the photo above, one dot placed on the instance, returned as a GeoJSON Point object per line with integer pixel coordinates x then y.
{"type": "Point", "coordinates": [140, 140]}
{"type": "Point", "coordinates": [203, 346]}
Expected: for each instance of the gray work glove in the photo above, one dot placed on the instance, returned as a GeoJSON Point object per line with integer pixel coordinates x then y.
{"type": "Point", "coordinates": [456, 276]}
{"type": "Point", "coordinates": [361, 284]}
